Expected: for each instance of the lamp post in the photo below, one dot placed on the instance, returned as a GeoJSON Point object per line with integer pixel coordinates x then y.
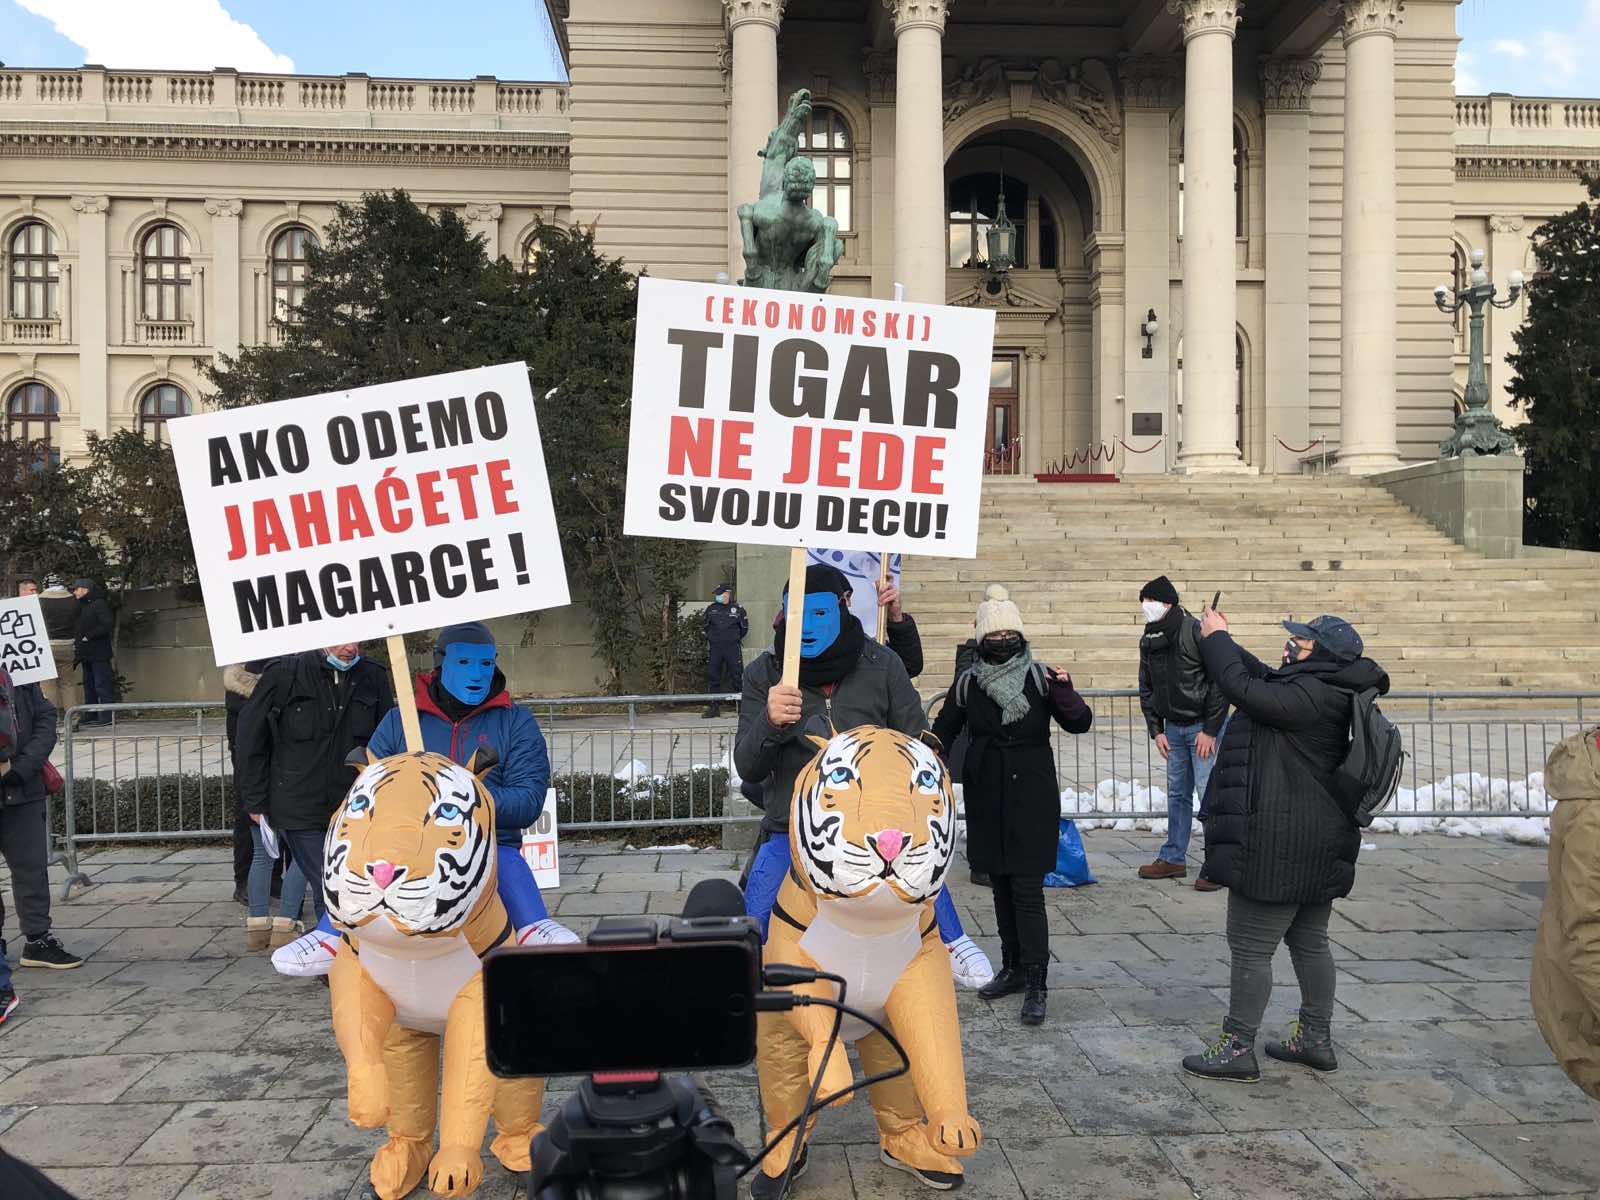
{"type": "Point", "coordinates": [1477, 429]}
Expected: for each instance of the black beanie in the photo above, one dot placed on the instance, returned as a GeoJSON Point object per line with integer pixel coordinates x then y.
{"type": "Point", "coordinates": [820, 577]}
{"type": "Point", "coordinates": [1160, 590]}
{"type": "Point", "coordinates": [469, 633]}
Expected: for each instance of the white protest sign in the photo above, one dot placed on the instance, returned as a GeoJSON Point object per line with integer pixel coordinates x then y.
{"type": "Point", "coordinates": [541, 847]}
{"type": "Point", "coordinates": [861, 568]}
{"type": "Point", "coordinates": [369, 513]}
{"type": "Point", "coordinates": [24, 642]}
{"type": "Point", "coordinates": [790, 419]}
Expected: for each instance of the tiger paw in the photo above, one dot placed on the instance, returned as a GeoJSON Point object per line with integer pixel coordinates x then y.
{"type": "Point", "coordinates": [515, 1150]}
{"type": "Point", "coordinates": [956, 1134]}
{"type": "Point", "coordinates": [838, 1075]}
{"type": "Point", "coordinates": [398, 1166]}
{"type": "Point", "coordinates": [455, 1171]}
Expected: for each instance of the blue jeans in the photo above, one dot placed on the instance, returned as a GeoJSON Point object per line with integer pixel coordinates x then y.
{"type": "Point", "coordinates": [1187, 774]}
{"type": "Point", "coordinates": [772, 864]}
{"type": "Point", "coordinates": [258, 885]}
{"type": "Point", "coordinates": [514, 881]}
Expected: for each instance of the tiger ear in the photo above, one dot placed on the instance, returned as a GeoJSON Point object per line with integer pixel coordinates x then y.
{"type": "Point", "coordinates": [927, 738]}
{"type": "Point", "coordinates": [360, 758]}
{"type": "Point", "coordinates": [821, 743]}
{"type": "Point", "coordinates": [483, 760]}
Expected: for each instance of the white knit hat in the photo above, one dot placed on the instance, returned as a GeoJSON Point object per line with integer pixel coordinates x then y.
{"type": "Point", "coordinates": [997, 613]}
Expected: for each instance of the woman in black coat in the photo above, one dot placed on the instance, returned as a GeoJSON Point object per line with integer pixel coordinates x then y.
{"type": "Point", "coordinates": [1277, 834]}
{"type": "Point", "coordinates": [1005, 703]}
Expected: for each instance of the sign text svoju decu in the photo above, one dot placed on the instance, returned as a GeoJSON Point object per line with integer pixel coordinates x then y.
{"type": "Point", "coordinates": [775, 418]}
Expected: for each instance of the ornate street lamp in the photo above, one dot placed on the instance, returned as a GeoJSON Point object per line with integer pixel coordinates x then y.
{"type": "Point", "coordinates": [1477, 429]}
{"type": "Point", "coordinates": [1002, 238]}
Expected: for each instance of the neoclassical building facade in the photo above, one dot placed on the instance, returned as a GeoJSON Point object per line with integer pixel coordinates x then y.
{"type": "Point", "coordinates": [1228, 216]}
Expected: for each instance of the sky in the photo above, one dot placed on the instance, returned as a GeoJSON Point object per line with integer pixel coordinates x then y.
{"type": "Point", "coordinates": [1527, 47]}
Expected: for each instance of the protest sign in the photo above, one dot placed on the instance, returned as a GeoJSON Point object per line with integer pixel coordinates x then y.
{"type": "Point", "coordinates": [541, 846]}
{"type": "Point", "coordinates": [369, 513]}
{"type": "Point", "coordinates": [791, 419]}
{"type": "Point", "coordinates": [24, 642]}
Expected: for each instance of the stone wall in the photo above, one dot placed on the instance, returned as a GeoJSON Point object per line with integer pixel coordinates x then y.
{"type": "Point", "coordinates": [1477, 501]}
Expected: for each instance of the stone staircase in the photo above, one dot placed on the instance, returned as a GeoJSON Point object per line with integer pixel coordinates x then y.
{"type": "Point", "coordinates": [1434, 614]}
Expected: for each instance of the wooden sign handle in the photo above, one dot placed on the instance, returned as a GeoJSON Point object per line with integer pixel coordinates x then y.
{"type": "Point", "coordinates": [405, 692]}
{"type": "Point", "coordinates": [883, 609]}
{"type": "Point", "coordinates": [794, 616]}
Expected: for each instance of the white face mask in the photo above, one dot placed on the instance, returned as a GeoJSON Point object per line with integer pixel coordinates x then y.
{"type": "Point", "coordinates": [1154, 610]}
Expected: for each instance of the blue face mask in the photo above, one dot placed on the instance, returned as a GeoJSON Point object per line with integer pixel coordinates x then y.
{"type": "Point", "coordinates": [339, 664]}
{"type": "Point", "coordinates": [819, 627]}
{"type": "Point", "coordinates": [467, 672]}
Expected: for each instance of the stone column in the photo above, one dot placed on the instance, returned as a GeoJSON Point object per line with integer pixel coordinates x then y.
{"type": "Point", "coordinates": [1209, 257]}
{"type": "Point", "coordinates": [753, 107]}
{"type": "Point", "coordinates": [1286, 100]}
{"type": "Point", "coordinates": [1508, 244]}
{"type": "Point", "coordinates": [920, 248]}
{"type": "Point", "coordinates": [1032, 410]}
{"type": "Point", "coordinates": [484, 219]}
{"type": "Point", "coordinates": [878, 67]}
{"type": "Point", "coordinates": [225, 292]}
{"type": "Point", "coordinates": [1368, 278]}
{"type": "Point", "coordinates": [93, 314]}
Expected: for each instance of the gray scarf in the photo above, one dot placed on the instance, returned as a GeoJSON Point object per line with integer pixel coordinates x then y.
{"type": "Point", "coordinates": [1003, 683]}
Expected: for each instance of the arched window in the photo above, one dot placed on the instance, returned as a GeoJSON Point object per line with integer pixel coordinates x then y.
{"type": "Point", "coordinates": [973, 206]}
{"type": "Point", "coordinates": [32, 412]}
{"type": "Point", "coordinates": [1240, 162]}
{"type": "Point", "coordinates": [534, 246]}
{"type": "Point", "coordinates": [164, 274]}
{"type": "Point", "coordinates": [1460, 278]}
{"type": "Point", "coordinates": [35, 272]}
{"type": "Point", "coordinates": [160, 404]}
{"type": "Point", "coordinates": [827, 143]}
{"type": "Point", "coordinates": [288, 266]}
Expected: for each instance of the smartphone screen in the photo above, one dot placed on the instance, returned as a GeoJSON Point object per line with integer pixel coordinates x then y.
{"type": "Point", "coordinates": [573, 1011]}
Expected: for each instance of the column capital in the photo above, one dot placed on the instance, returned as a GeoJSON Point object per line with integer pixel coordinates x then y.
{"type": "Point", "coordinates": [753, 12]}
{"type": "Point", "coordinates": [879, 68]}
{"type": "Point", "coordinates": [1505, 223]}
{"type": "Point", "coordinates": [918, 14]}
{"type": "Point", "coordinates": [225, 209]}
{"type": "Point", "coordinates": [1206, 16]}
{"type": "Point", "coordinates": [91, 204]}
{"type": "Point", "coordinates": [1286, 83]}
{"type": "Point", "coordinates": [1357, 18]}
{"type": "Point", "coordinates": [1033, 353]}
{"type": "Point", "coordinates": [482, 212]}
{"type": "Point", "coordinates": [1149, 81]}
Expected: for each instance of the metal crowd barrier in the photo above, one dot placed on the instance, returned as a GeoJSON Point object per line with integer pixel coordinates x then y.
{"type": "Point", "coordinates": [163, 771]}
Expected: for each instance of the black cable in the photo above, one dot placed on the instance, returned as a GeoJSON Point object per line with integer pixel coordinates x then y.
{"type": "Point", "coordinates": [816, 1084]}
{"type": "Point", "coordinates": [816, 1106]}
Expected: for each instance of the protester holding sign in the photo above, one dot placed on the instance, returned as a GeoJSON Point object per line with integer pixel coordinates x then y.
{"type": "Point", "coordinates": [465, 708]}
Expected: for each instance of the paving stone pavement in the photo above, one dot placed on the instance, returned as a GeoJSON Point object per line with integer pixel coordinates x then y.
{"type": "Point", "coordinates": [172, 1066]}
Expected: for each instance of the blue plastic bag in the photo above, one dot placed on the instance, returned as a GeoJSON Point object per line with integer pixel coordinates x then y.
{"type": "Point", "coordinates": [1072, 864]}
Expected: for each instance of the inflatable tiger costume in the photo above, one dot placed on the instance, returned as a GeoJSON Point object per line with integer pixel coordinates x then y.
{"type": "Point", "coordinates": [409, 880]}
{"type": "Point", "coordinates": [872, 830]}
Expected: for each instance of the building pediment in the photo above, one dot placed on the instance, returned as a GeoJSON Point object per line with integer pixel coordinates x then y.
{"type": "Point", "coordinates": [1003, 295]}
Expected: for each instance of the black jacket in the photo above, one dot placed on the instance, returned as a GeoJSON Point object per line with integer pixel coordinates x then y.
{"type": "Point", "coordinates": [1275, 830]}
{"type": "Point", "coordinates": [297, 728]}
{"type": "Point", "coordinates": [905, 639]}
{"type": "Point", "coordinates": [725, 624]}
{"type": "Point", "coordinates": [877, 692]}
{"type": "Point", "coordinates": [1173, 684]}
{"type": "Point", "coordinates": [1009, 787]}
{"type": "Point", "coordinates": [91, 632]}
{"type": "Point", "coordinates": [36, 737]}
{"type": "Point", "coordinates": [238, 684]}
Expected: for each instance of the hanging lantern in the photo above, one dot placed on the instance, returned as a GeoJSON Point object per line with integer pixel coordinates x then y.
{"type": "Point", "coordinates": [1002, 238]}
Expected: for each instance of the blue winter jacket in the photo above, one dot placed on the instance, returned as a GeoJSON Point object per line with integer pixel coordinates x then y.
{"type": "Point", "coordinates": [518, 782]}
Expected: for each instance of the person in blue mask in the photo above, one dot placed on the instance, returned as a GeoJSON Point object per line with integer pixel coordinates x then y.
{"type": "Point", "coordinates": [463, 706]}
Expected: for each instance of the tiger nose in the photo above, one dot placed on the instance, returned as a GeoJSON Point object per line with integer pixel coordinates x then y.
{"type": "Point", "coordinates": [889, 843]}
{"type": "Point", "coordinates": [382, 873]}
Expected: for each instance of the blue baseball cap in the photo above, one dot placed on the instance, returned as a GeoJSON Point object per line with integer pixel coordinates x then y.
{"type": "Point", "coordinates": [1334, 634]}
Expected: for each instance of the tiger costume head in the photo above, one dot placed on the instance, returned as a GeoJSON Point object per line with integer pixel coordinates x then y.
{"type": "Point", "coordinates": [874, 806]}
{"type": "Point", "coordinates": [413, 842]}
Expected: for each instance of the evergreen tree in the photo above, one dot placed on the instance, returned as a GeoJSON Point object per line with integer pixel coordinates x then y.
{"type": "Point", "coordinates": [1557, 382]}
{"type": "Point", "coordinates": [393, 293]}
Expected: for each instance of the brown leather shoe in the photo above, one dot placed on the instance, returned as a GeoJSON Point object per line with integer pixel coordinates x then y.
{"type": "Point", "coordinates": [1162, 869]}
{"type": "Point", "coordinates": [1205, 885]}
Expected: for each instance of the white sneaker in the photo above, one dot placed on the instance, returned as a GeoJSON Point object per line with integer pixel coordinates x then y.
{"type": "Point", "coordinates": [548, 932]}
{"type": "Point", "coordinates": [306, 956]}
{"type": "Point", "coordinates": [968, 963]}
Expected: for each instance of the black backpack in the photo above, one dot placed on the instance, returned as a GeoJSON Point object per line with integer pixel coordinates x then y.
{"type": "Point", "coordinates": [1370, 774]}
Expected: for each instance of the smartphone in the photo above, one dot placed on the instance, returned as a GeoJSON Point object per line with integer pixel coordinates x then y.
{"type": "Point", "coordinates": [1216, 597]}
{"type": "Point", "coordinates": [579, 1010]}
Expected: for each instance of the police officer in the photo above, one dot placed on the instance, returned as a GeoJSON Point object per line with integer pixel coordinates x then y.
{"type": "Point", "coordinates": [726, 625]}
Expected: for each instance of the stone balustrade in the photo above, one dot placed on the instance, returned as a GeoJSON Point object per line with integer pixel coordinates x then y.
{"type": "Point", "coordinates": [1499, 118]}
{"type": "Point", "coordinates": [229, 97]}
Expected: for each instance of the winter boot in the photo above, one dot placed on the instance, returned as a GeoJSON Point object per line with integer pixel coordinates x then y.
{"type": "Point", "coordinates": [257, 932]}
{"type": "Point", "coordinates": [1009, 981]}
{"type": "Point", "coordinates": [712, 712]}
{"type": "Point", "coordinates": [1230, 1058]}
{"type": "Point", "coordinates": [1297, 1048]}
{"type": "Point", "coordinates": [1033, 1002]}
{"type": "Point", "coordinates": [284, 931]}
